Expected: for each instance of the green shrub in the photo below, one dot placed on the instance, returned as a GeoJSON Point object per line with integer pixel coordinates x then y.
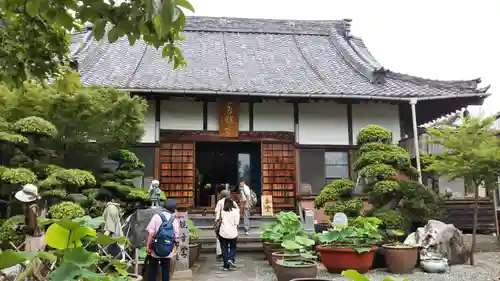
{"type": "Point", "coordinates": [336, 190]}
{"type": "Point", "coordinates": [374, 133]}
{"type": "Point", "coordinates": [7, 233]}
{"type": "Point", "coordinates": [351, 207]}
{"type": "Point", "coordinates": [392, 219]}
{"type": "Point", "coordinates": [68, 210]}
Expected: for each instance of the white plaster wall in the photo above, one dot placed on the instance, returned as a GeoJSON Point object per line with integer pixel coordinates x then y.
{"type": "Point", "coordinates": [149, 123]}
{"type": "Point", "coordinates": [382, 114]}
{"type": "Point", "coordinates": [323, 123]}
{"type": "Point", "coordinates": [213, 117]}
{"type": "Point", "coordinates": [272, 116]}
{"type": "Point", "coordinates": [181, 114]}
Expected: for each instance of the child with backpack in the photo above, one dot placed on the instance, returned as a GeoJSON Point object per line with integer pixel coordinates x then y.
{"type": "Point", "coordinates": [163, 230]}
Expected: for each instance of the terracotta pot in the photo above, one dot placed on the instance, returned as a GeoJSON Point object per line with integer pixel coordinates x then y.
{"type": "Point", "coordinates": [400, 259]}
{"type": "Point", "coordinates": [337, 260]}
{"type": "Point", "coordinates": [270, 252]}
{"type": "Point", "coordinates": [264, 248]}
{"type": "Point", "coordinates": [282, 256]}
{"type": "Point", "coordinates": [194, 253]}
{"type": "Point", "coordinates": [288, 272]}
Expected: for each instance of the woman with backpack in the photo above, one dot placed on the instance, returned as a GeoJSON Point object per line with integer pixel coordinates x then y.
{"type": "Point", "coordinates": [228, 232]}
{"type": "Point", "coordinates": [163, 231]}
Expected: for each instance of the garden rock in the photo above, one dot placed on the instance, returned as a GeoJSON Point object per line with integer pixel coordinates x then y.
{"type": "Point", "coordinates": [10, 273]}
{"type": "Point", "coordinates": [438, 239]}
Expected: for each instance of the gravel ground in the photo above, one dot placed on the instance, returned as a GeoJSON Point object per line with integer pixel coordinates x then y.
{"type": "Point", "coordinates": [255, 269]}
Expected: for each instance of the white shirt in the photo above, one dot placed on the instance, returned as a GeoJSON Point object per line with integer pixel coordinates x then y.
{"type": "Point", "coordinates": [229, 224]}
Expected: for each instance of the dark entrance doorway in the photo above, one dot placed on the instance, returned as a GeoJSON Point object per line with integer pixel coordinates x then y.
{"type": "Point", "coordinates": [220, 163]}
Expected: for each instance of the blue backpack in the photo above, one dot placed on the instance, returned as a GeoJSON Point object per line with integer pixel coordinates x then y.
{"type": "Point", "coordinates": [164, 240]}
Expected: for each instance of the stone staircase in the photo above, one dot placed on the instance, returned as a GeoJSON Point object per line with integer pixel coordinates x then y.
{"type": "Point", "coordinates": [246, 243]}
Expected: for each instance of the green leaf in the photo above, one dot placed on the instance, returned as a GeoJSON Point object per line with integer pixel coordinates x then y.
{"type": "Point", "coordinates": [65, 20]}
{"type": "Point", "coordinates": [65, 272]}
{"type": "Point", "coordinates": [81, 257]}
{"type": "Point", "coordinates": [99, 29]}
{"type": "Point", "coordinates": [304, 241]}
{"type": "Point", "coordinates": [10, 258]}
{"type": "Point", "coordinates": [115, 33]}
{"type": "Point", "coordinates": [361, 250]}
{"type": "Point", "coordinates": [62, 236]}
{"type": "Point", "coordinates": [167, 14]}
{"type": "Point", "coordinates": [290, 245]}
{"type": "Point", "coordinates": [184, 4]}
{"type": "Point", "coordinates": [131, 39]}
{"type": "Point", "coordinates": [354, 275]}
{"type": "Point", "coordinates": [32, 7]}
{"type": "Point", "coordinates": [105, 240]}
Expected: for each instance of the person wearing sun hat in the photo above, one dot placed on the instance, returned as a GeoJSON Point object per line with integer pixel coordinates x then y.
{"type": "Point", "coordinates": [35, 237]}
{"type": "Point", "coordinates": [29, 196]}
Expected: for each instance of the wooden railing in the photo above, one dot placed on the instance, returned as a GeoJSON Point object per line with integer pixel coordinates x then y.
{"type": "Point", "coordinates": [409, 145]}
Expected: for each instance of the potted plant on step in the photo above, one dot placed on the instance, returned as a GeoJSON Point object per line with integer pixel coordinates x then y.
{"type": "Point", "coordinates": [266, 237]}
{"type": "Point", "coordinates": [400, 258]}
{"type": "Point", "coordinates": [302, 265]}
{"type": "Point", "coordinates": [194, 243]}
{"type": "Point", "coordinates": [350, 247]}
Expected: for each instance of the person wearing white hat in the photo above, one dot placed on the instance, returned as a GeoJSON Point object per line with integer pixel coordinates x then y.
{"type": "Point", "coordinates": [35, 237]}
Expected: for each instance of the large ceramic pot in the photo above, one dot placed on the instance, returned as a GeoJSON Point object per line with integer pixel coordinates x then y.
{"type": "Point", "coordinates": [400, 259]}
{"type": "Point", "coordinates": [270, 254]}
{"type": "Point", "coordinates": [287, 270]}
{"type": "Point", "coordinates": [194, 253]}
{"type": "Point", "coordinates": [267, 245]}
{"type": "Point", "coordinates": [337, 260]}
{"type": "Point", "coordinates": [264, 247]}
{"type": "Point", "coordinates": [434, 265]}
{"type": "Point", "coordinates": [282, 256]}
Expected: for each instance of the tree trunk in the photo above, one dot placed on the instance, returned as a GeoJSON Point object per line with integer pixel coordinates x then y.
{"type": "Point", "coordinates": [474, 226]}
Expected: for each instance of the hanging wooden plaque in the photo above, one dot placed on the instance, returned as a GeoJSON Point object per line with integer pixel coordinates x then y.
{"type": "Point", "coordinates": [267, 205]}
{"type": "Point", "coordinates": [228, 119]}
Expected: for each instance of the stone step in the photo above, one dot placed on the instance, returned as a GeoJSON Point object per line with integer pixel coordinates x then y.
{"type": "Point", "coordinates": [247, 243]}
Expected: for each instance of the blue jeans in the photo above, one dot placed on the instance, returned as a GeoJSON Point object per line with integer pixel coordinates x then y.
{"type": "Point", "coordinates": [152, 265]}
{"type": "Point", "coordinates": [228, 247]}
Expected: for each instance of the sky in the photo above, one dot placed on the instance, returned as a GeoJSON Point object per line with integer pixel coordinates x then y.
{"type": "Point", "coordinates": [436, 39]}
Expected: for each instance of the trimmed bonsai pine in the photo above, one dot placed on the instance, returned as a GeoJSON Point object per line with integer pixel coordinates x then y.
{"type": "Point", "coordinates": [388, 177]}
{"type": "Point", "coordinates": [337, 198]}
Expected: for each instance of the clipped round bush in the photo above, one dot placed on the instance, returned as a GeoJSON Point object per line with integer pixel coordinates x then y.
{"type": "Point", "coordinates": [378, 171]}
{"type": "Point", "coordinates": [386, 187]}
{"type": "Point", "coordinates": [374, 133]}
{"type": "Point", "coordinates": [396, 158]}
{"type": "Point", "coordinates": [58, 193]}
{"type": "Point", "coordinates": [17, 176]}
{"type": "Point", "coordinates": [67, 210]}
{"type": "Point", "coordinates": [351, 207]}
{"type": "Point", "coordinates": [35, 125]}
{"type": "Point", "coordinates": [7, 233]}
{"type": "Point", "coordinates": [13, 138]}
{"type": "Point", "coordinates": [393, 220]}
{"type": "Point", "coordinates": [341, 188]}
{"type": "Point", "coordinates": [69, 177]}
{"type": "Point", "coordinates": [126, 157]}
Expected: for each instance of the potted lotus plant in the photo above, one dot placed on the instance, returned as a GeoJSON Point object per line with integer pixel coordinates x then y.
{"type": "Point", "coordinates": [400, 258]}
{"type": "Point", "coordinates": [287, 226]}
{"type": "Point", "coordinates": [350, 246]}
{"type": "Point", "coordinates": [297, 261]}
{"type": "Point", "coordinates": [194, 244]}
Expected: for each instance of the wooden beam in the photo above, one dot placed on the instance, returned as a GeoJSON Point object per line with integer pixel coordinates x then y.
{"type": "Point", "coordinates": [205, 115]}
{"type": "Point", "coordinates": [349, 123]}
{"type": "Point", "coordinates": [180, 135]}
{"type": "Point", "coordinates": [250, 116]}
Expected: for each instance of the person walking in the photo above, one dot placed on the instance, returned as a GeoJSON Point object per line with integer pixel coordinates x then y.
{"type": "Point", "coordinates": [35, 236]}
{"type": "Point", "coordinates": [218, 208]}
{"type": "Point", "coordinates": [246, 204]}
{"type": "Point", "coordinates": [161, 243]}
{"type": "Point", "coordinates": [112, 223]}
{"type": "Point", "coordinates": [228, 233]}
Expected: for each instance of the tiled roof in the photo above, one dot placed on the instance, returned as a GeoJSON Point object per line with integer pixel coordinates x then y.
{"type": "Point", "coordinates": [258, 57]}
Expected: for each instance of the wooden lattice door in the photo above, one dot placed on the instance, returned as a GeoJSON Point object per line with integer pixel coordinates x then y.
{"type": "Point", "coordinates": [278, 174]}
{"type": "Point", "coordinates": [177, 172]}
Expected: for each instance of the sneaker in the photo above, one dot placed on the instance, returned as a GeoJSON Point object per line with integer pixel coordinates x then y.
{"type": "Point", "coordinates": [225, 269]}
{"type": "Point", "coordinates": [232, 264]}
{"type": "Point", "coordinates": [247, 233]}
